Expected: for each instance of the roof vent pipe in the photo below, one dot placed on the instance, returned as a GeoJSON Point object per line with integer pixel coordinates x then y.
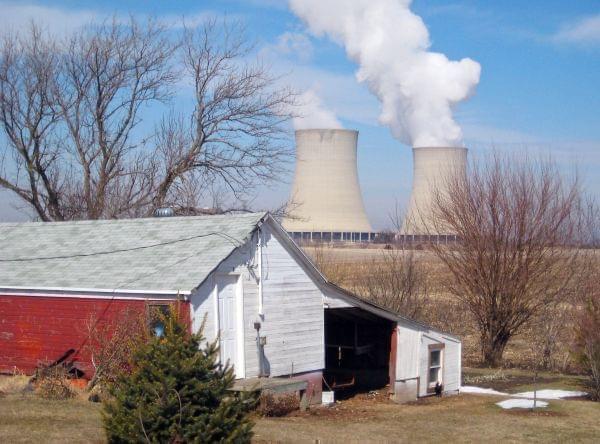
{"type": "Point", "coordinates": [164, 212]}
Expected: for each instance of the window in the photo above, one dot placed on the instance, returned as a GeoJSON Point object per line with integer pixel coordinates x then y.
{"type": "Point", "coordinates": [157, 314]}
{"type": "Point", "coordinates": [435, 366]}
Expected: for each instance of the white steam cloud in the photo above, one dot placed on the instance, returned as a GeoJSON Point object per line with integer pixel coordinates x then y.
{"type": "Point", "coordinates": [312, 113]}
{"type": "Point", "coordinates": [417, 88]}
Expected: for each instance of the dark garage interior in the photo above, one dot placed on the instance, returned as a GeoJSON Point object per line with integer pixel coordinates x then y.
{"type": "Point", "coordinates": [357, 350]}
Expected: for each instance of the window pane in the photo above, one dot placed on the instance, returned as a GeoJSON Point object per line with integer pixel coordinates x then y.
{"type": "Point", "coordinates": [156, 318]}
{"type": "Point", "coordinates": [435, 358]}
{"type": "Point", "coordinates": [433, 374]}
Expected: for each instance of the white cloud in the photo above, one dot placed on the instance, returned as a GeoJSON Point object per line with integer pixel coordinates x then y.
{"type": "Point", "coordinates": [584, 31]}
{"type": "Point", "coordinates": [18, 16]}
{"type": "Point", "coordinates": [339, 92]}
{"type": "Point", "coordinates": [62, 21]}
{"type": "Point", "coordinates": [312, 113]}
{"type": "Point", "coordinates": [294, 44]}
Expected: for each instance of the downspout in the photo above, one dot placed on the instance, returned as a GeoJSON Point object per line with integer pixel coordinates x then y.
{"type": "Point", "coordinates": [260, 274]}
{"type": "Point", "coordinates": [261, 341]}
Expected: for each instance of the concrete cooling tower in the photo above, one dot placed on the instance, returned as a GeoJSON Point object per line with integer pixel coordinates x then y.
{"type": "Point", "coordinates": [326, 202]}
{"type": "Point", "coordinates": [431, 167]}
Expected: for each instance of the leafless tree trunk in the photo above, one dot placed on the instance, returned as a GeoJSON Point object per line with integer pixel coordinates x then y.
{"type": "Point", "coordinates": [70, 114]}
{"type": "Point", "coordinates": [586, 344]}
{"type": "Point", "coordinates": [517, 222]}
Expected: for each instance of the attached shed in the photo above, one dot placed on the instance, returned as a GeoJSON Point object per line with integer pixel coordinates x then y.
{"type": "Point", "coordinates": [242, 276]}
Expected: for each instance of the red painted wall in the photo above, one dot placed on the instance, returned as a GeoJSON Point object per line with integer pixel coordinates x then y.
{"type": "Point", "coordinates": [37, 329]}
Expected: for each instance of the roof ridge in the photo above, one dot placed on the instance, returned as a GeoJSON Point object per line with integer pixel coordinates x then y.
{"type": "Point", "coordinates": [256, 214]}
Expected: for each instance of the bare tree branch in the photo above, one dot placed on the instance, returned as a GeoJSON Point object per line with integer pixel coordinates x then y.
{"type": "Point", "coordinates": [518, 224]}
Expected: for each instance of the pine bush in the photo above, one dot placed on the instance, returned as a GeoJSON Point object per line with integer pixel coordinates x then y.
{"type": "Point", "coordinates": [176, 391]}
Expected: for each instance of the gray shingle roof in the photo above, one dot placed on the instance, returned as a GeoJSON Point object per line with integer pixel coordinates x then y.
{"type": "Point", "coordinates": [154, 254]}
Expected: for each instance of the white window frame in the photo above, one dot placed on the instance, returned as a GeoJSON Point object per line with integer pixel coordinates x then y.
{"type": "Point", "coordinates": [440, 375]}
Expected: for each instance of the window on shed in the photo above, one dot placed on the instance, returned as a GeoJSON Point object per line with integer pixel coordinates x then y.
{"type": "Point", "coordinates": [157, 314]}
{"type": "Point", "coordinates": [435, 373]}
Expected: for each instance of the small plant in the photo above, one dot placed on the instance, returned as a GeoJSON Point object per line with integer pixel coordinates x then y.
{"type": "Point", "coordinates": [274, 405]}
{"type": "Point", "coordinates": [498, 375]}
{"type": "Point", "coordinates": [110, 344]}
{"type": "Point", "coordinates": [587, 343]}
{"type": "Point", "coordinates": [176, 391]}
{"type": "Point", "coordinates": [53, 383]}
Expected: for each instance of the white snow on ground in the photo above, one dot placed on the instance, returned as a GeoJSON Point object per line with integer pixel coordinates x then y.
{"type": "Point", "coordinates": [480, 390]}
{"type": "Point", "coordinates": [520, 404]}
{"type": "Point", "coordinates": [551, 394]}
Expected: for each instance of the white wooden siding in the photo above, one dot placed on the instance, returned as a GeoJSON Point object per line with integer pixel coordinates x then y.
{"type": "Point", "coordinates": [450, 361]}
{"type": "Point", "coordinates": [293, 313]}
{"type": "Point", "coordinates": [407, 356]}
{"type": "Point", "coordinates": [293, 321]}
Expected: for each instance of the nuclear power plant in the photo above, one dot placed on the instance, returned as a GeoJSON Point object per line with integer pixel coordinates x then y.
{"type": "Point", "coordinates": [326, 202]}
{"type": "Point", "coordinates": [432, 167]}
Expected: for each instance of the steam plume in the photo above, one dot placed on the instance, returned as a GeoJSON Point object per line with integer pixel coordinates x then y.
{"type": "Point", "coordinates": [313, 113]}
{"type": "Point", "coordinates": [417, 88]}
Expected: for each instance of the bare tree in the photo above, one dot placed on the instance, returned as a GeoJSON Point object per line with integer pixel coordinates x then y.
{"type": "Point", "coordinates": [73, 146]}
{"type": "Point", "coordinates": [28, 117]}
{"type": "Point", "coordinates": [517, 221]}
{"type": "Point", "coordinates": [68, 110]}
{"type": "Point", "coordinates": [234, 136]}
{"type": "Point", "coordinates": [395, 280]}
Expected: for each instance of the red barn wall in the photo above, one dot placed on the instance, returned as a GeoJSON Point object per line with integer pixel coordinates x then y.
{"type": "Point", "coordinates": [38, 329]}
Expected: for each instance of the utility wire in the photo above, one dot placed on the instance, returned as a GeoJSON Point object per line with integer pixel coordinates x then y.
{"type": "Point", "coordinates": [225, 236]}
{"type": "Point", "coordinates": [113, 297]}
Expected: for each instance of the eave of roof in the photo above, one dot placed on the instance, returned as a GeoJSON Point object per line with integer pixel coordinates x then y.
{"type": "Point", "coordinates": [377, 309]}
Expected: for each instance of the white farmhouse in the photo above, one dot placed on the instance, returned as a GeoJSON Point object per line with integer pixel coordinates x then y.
{"type": "Point", "coordinates": [274, 313]}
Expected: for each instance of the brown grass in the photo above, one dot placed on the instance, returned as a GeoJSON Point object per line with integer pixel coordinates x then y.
{"type": "Point", "coordinates": [453, 419]}
{"type": "Point", "coordinates": [29, 419]}
{"type": "Point", "coordinates": [363, 418]}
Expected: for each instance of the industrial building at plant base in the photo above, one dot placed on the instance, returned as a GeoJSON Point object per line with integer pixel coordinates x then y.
{"type": "Point", "coordinates": [274, 313]}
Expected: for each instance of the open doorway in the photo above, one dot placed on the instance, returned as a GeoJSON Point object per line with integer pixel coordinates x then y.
{"type": "Point", "coordinates": [357, 350]}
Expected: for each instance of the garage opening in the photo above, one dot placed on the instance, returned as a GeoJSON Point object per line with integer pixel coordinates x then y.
{"type": "Point", "coordinates": [357, 350]}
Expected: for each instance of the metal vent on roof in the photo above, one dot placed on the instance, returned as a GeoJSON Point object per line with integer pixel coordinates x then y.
{"type": "Point", "coordinates": [164, 212]}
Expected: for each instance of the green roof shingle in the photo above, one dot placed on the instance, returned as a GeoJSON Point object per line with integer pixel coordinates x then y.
{"type": "Point", "coordinates": [153, 254]}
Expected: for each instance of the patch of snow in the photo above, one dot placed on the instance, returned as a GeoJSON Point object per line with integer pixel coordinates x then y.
{"type": "Point", "coordinates": [551, 394]}
{"type": "Point", "coordinates": [480, 390]}
{"type": "Point", "coordinates": [520, 404]}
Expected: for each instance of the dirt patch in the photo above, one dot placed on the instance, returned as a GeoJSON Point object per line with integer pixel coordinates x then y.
{"type": "Point", "coordinates": [359, 407]}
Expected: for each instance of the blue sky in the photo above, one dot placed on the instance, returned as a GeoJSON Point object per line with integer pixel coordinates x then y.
{"type": "Point", "coordinates": [539, 88]}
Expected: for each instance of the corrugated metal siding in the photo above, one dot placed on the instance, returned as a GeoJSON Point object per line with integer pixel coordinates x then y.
{"type": "Point", "coordinates": [36, 329]}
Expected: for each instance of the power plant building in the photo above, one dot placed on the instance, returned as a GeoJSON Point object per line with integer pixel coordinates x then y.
{"type": "Point", "coordinates": [326, 202]}
{"type": "Point", "coordinates": [431, 169]}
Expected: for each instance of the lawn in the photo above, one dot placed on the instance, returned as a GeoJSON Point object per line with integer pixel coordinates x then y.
{"type": "Point", "coordinates": [28, 418]}
{"type": "Point", "coordinates": [461, 418]}
{"type": "Point", "coordinates": [464, 418]}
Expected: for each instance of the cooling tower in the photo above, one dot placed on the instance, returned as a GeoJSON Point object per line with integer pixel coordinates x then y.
{"type": "Point", "coordinates": [431, 167]}
{"type": "Point", "coordinates": [326, 195]}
